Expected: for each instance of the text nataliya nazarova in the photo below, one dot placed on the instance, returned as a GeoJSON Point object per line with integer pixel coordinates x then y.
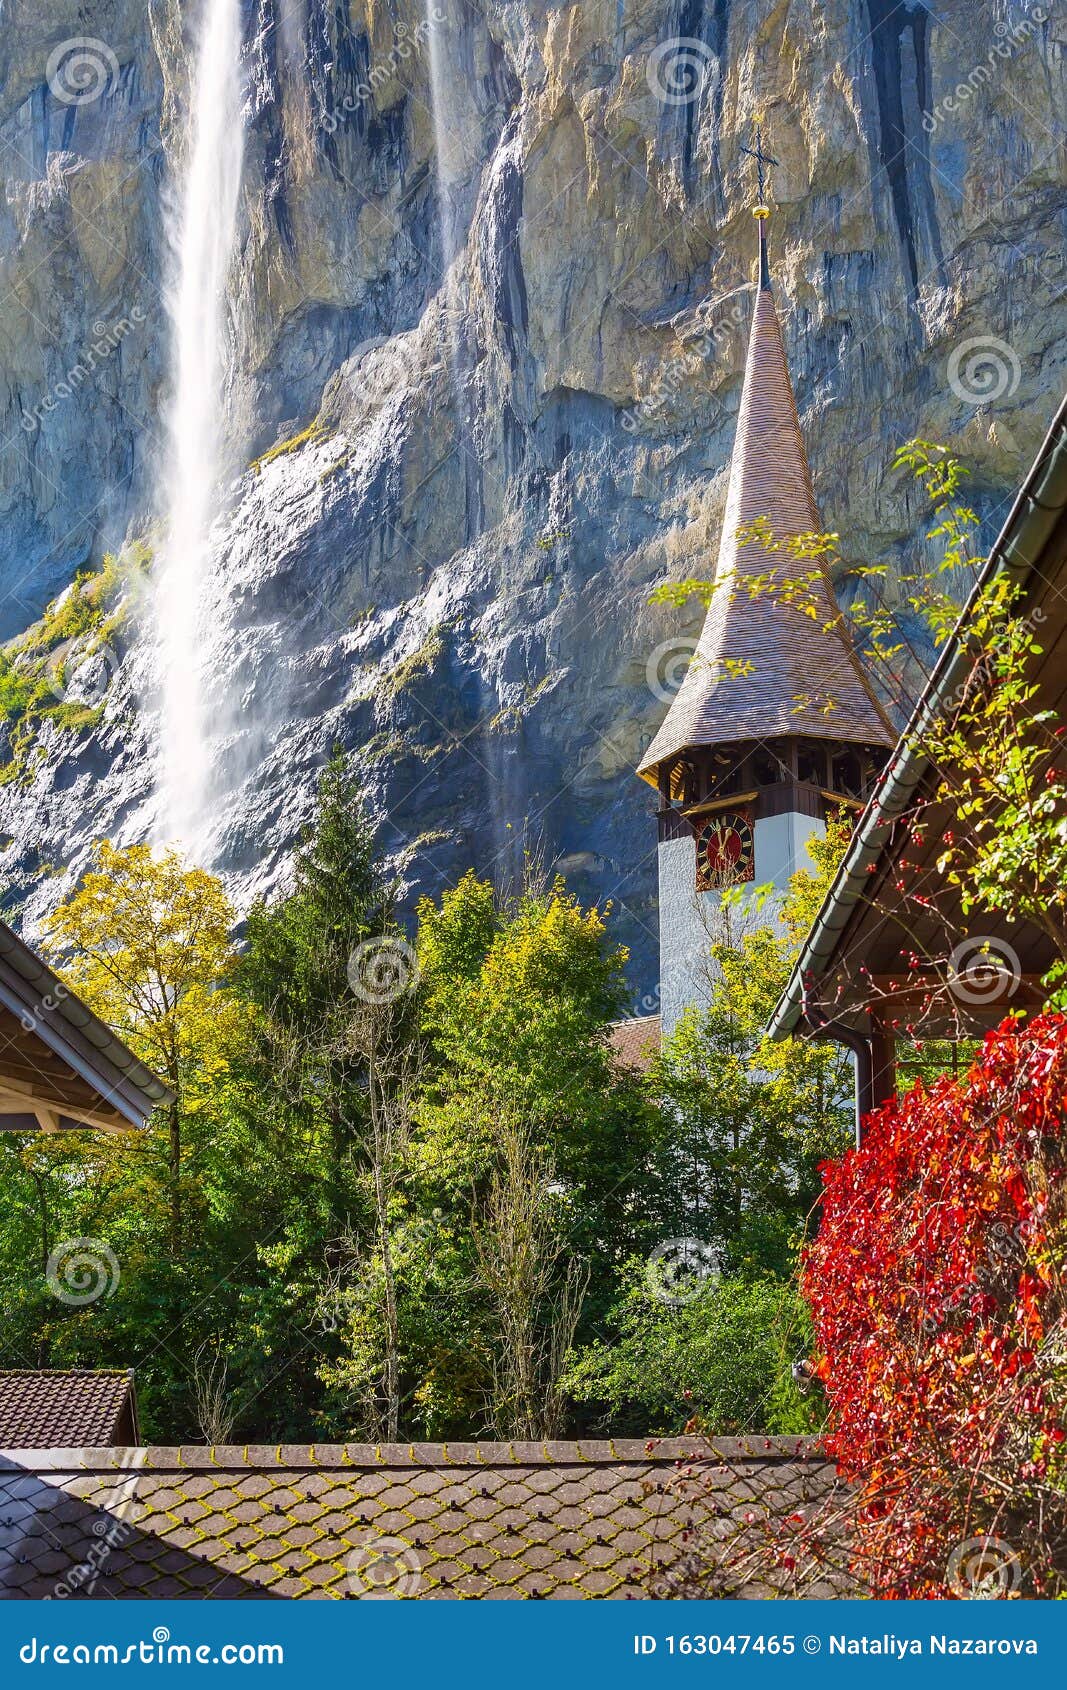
{"type": "Point", "coordinates": [937, 1645]}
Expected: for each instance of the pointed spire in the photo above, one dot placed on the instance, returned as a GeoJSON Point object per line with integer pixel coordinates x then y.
{"type": "Point", "coordinates": [791, 666]}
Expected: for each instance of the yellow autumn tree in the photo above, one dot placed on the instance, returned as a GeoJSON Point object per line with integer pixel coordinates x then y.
{"type": "Point", "coordinates": [145, 941]}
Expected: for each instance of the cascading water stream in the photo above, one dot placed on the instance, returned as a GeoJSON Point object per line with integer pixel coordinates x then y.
{"type": "Point", "coordinates": [450, 110]}
{"type": "Point", "coordinates": [447, 152]}
{"type": "Point", "coordinates": [203, 228]}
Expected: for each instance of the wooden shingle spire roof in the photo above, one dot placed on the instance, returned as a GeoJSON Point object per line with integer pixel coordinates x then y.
{"type": "Point", "coordinates": [794, 669]}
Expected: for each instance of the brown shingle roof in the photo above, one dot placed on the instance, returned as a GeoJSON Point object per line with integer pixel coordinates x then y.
{"type": "Point", "coordinates": [51, 1409]}
{"type": "Point", "coordinates": [595, 1519]}
{"type": "Point", "coordinates": [635, 1042]}
{"type": "Point", "coordinates": [796, 666]}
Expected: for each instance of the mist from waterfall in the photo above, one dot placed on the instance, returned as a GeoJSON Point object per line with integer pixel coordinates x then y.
{"type": "Point", "coordinates": [202, 230]}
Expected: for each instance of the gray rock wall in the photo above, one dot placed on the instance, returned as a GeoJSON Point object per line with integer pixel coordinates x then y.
{"type": "Point", "coordinates": [451, 571]}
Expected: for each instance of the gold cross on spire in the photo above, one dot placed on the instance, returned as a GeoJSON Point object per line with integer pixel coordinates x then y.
{"type": "Point", "coordinates": [761, 159]}
{"type": "Point", "coordinates": [761, 211]}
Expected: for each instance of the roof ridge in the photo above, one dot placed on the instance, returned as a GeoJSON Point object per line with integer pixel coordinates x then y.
{"type": "Point", "coordinates": [480, 1455]}
{"type": "Point", "coordinates": [65, 1372]}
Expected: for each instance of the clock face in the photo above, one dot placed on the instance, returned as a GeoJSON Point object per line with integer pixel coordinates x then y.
{"type": "Point", "coordinates": [725, 854]}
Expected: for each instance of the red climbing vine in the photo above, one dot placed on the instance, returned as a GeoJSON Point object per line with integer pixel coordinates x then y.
{"type": "Point", "coordinates": [936, 1283]}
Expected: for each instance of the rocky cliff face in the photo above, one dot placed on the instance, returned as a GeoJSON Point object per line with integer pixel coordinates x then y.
{"type": "Point", "coordinates": [489, 368]}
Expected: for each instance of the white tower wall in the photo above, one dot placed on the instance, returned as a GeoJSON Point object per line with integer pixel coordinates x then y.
{"type": "Point", "coordinates": [688, 918]}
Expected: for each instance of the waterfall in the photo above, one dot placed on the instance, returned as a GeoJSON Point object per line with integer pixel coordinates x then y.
{"type": "Point", "coordinates": [202, 229]}
{"type": "Point", "coordinates": [448, 149]}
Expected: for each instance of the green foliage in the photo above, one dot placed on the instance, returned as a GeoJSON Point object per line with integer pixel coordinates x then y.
{"type": "Point", "coordinates": [518, 999]}
{"type": "Point", "coordinates": [144, 940]}
{"type": "Point", "coordinates": [998, 755]}
{"type": "Point", "coordinates": [720, 1362]}
{"type": "Point", "coordinates": [736, 1177]}
{"type": "Point", "coordinates": [307, 436]}
{"type": "Point", "coordinates": [298, 949]}
{"type": "Point", "coordinates": [36, 667]}
{"type": "Point", "coordinates": [422, 1216]}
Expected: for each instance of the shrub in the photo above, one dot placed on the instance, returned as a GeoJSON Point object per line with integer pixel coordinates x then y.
{"type": "Point", "coordinates": [719, 1362]}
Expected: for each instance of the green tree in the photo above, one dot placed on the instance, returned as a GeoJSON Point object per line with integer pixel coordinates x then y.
{"type": "Point", "coordinates": [303, 952]}
{"type": "Point", "coordinates": [319, 1104]}
{"type": "Point", "coordinates": [145, 941]}
{"type": "Point", "coordinates": [527, 1172]}
{"type": "Point", "coordinates": [518, 998]}
{"type": "Point", "coordinates": [709, 1323]}
{"type": "Point", "coordinates": [721, 1361]}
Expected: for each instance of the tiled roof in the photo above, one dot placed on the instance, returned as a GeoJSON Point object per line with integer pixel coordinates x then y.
{"type": "Point", "coordinates": [46, 1410]}
{"type": "Point", "coordinates": [796, 666]}
{"type": "Point", "coordinates": [635, 1042]}
{"type": "Point", "coordinates": [596, 1519]}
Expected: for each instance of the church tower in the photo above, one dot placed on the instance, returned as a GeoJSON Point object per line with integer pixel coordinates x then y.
{"type": "Point", "coordinates": [771, 727]}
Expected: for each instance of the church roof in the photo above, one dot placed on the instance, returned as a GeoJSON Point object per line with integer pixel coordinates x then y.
{"type": "Point", "coordinates": [800, 681]}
